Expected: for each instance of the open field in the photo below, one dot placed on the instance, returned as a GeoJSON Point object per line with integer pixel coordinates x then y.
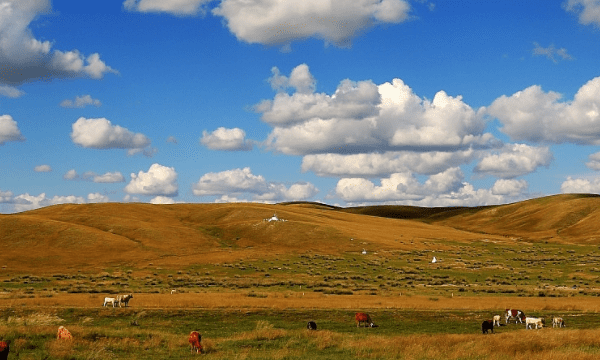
{"type": "Point", "coordinates": [249, 285]}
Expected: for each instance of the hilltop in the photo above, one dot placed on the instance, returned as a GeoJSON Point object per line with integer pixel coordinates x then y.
{"type": "Point", "coordinates": [134, 234]}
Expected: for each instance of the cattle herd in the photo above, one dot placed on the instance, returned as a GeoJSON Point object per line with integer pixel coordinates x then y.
{"type": "Point", "coordinates": [195, 337]}
{"type": "Point", "coordinates": [518, 315]}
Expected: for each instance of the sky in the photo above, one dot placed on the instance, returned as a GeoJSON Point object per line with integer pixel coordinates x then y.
{"type": "Point", "coordinates": [344, 102]}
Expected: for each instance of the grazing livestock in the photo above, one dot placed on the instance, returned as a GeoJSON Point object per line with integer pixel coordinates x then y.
{"type": "Point", "coordinates": [514, 314]}
{"type": "Point", "coordinates": [124, 299]}
{"type": "Point", "coordinates": [363, 318]}
{"type": "Point", "coordinates": [558, 322]}
{"type": "Point", "coordinates": [311, 325]}
{"type": "Point", "coordinates": [4, 349]}
{"type": "Point", "coordinates": [109, 300]}
{"type": "Point", "coordinates": [194, 340]}
{"type": "Point", "coordinates": [496, 320]}
{"type": "Point", "coordinates": [487, 325]}
{"type": "Point", "coordinates": [538, 322]}
{"type": "Point", "coordinates": [63, 334]}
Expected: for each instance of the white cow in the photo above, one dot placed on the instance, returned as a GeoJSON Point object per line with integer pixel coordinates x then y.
{"type": "Point", "coordinates": [112, 301]}
{"type": "Point", "coordinates": [538, 322]}
{"type": "Point", "coordinates": [496, 319]}
{"type": "Point", "coordinates": [124, 299]}
{"type": "Point", "coordinates": [558, 322]}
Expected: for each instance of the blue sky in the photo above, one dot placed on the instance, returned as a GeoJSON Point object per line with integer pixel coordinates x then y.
{"type": "Point", "coordinates": [344, 102]}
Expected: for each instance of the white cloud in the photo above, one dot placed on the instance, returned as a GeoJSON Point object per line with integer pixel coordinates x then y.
{"type": "Point", "coordinates": [280, 22]}
{"type": "Point", "coordinates": [70, 175]}
{"type": "Point", "coordinates": [594, 162]}
{"type": "Point", "coordinates": [159, 180]}
{"type": "Point", "coordinates": [226, 139]}
{"type": "Point", "coordinates": [376, 164]}
{"type": "Point", "coordinates": [80, 102]}
{"type": "Point", "coordinates": [162, 200]}
{"type": "Point", "coordinates": [537, 116]}
{"type": "Point", "coordinates": [9, 131]}
{"type": "Point", "coordinates": [42, 168]}
{"type": "Point", "coordinates": [509, 187]}
{"type": "Point", "coordinates": [444, 189]}
{"type": "Point", "coordinates": [26, 202]}
{"type": "Point", "coordinates": [172, 139]}
{"type": "Point", "coordinates": [232, 183]}
{"type": "Point", "coordinates": [6, 196]}
{"type": "Point", "coordinates": [363, 117]}
{"type": "Point", "coordinates": [514, 160]}
{"type": "Point", "coordinates": [10, 91]}
{"type": "Point", "coordinates": [176, 7]}
{"type": "Point", "coordinates": [581, 186]}
{"type": "Point", "coordinates": [101, 134]}
{"type": "Point", "coordinates": [97, 198]}
{"type": "Point", "coordinates": [109, 177]}
{"type": "Point", "coordinates": [551, 52]}
{"type": "Point", "coordinates": [588, 10]}
{"type": "Point", "coordinates": [24, 58]}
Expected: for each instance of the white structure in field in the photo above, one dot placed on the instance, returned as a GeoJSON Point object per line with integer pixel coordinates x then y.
{"type": "Point", "coordinates": [274, 218]}
{"type": "Point", "coordinates": [364, 252]}
{"type": "Point", "coordinates": [434, 260]}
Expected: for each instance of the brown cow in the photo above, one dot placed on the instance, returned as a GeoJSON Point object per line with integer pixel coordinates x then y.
{"type": "Point", "coordinates": [194, 340]}
{"type": "Point", "coordinates": [63, 333]}
{"type": "Point", "coordinates": [364, 318]}
{"type": "Point", "coordinates": [124, 299]}
{"type": "Point", "coordinates": [4, 349]}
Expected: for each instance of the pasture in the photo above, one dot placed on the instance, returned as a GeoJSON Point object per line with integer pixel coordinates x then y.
{"type": "Point", "coordinates": [250, 286]}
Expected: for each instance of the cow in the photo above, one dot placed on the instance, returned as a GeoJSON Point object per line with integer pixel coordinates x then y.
{"type": "Point", "coordinates": [110, 300]}
{"type": "Point", "coordinates": [487, 325]}
{"type": "Point", "coordinates": [194, 340]}
{"type": "Point", "coordinates": [363, 318]}
{"type": "Point", "coordinates": [63, 334]}
{"type": "Point", "coordinates": [558, 322]}
{"type": "Point", "coordinates": [538, 322]}
{"type": "Point", "coordinates": [124, 299]}
{"type": "Point", "coordinates": [514, 314]}
{"type": "Point", "coordinates": [496, 320]}
{"type": "Point", "coordinates": [4, 349]}
{"type": "Point", "coordinates": [311, 325]}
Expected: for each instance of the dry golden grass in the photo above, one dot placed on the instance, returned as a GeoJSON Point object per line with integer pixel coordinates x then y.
{"type": "Point", "coordinates": [232, 300]}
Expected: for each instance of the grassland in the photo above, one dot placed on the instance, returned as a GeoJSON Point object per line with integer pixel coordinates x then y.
{"type": "Point", "coordinates": [249, 285]}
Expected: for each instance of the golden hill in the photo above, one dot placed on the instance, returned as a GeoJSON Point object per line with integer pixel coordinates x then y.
{"type": "Point", "coordinates": [69, 237]}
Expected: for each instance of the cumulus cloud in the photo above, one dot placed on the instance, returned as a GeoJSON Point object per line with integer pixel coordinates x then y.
{"type": "Point", "coordinates": [226, 139]}
{"type": "Point", "coordinates": [280, 22]}
{"type": "Point", "coordinates": [159, 180]}
{"type": "Point", "coordinates": [376, 164]}
{"type": "Point", "coordinates": [109, 177]}
{"type": "Point", "coordinates": [9, 131]}
{"type": "Point", "coordinates": [101, 134]}
{"type": "Point", "coordinates": [588, 11]}
{"type": "Point", "coordinates": [580, 186]}
{"type": "Point", "coordinates": [175, 7]}
{"type": "Point", "coordinates": [538, 116]}
{"type": "Point", "coordinates": [594, 162]}
{"type": "Point", "coordinates": [80, 102]}
{"type": "Point", "coordinates": [162, 200]}
{"type": "Point", "coordinates": [42, 168]}
{"type": "Point", "coordinates": [509, 187]}
{"type": "Point", "coordinates": [443, 189]}
{"type": "Point", "coordinates": [97, 198]}
{"type": "Point", "coordinates": [172, 139]}
{"type": "Point", "coordinates": [6, 196]}
{"type": "Point", "coordinates": [236, 182]}
{"type": "Point", "coordinates": [26, 202]}
{"type": "Point", "coordinates": [551, 52]}
{"type": "Point", "coordinates": [361, 117]}
{"type": "Point", "coordinates": [10, 91]}
{"type": "Point", "coordinates": [514, 160]}
{"type": "Point", "coordinates": [71, 175]}
{"type": "Point", "coordinates": [24, 58]}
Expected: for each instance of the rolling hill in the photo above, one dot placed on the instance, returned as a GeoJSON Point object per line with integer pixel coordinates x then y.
{"type": "Point", "coordinates": [126, 234]}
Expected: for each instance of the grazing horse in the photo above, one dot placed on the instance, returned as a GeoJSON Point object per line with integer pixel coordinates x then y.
{"type": "Point", "coordinates": [538, 322]}
{"type": "Point", "coordinates": [63, 333]}
{"type": "Point", "coordinates": [194, 340]}
{"type": "Point", "coordinates": [514, 314]}
{"type": "Point", "coordinates": [558, 322]}
{"type": "Point", "coordinates": [311, 325]}
{"type": "Point", "coordinates": [487, 325]}
{"type": "Point", "coordinates": [496, 320]}
{"type": "Point", "coordinates": [124, 299]}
